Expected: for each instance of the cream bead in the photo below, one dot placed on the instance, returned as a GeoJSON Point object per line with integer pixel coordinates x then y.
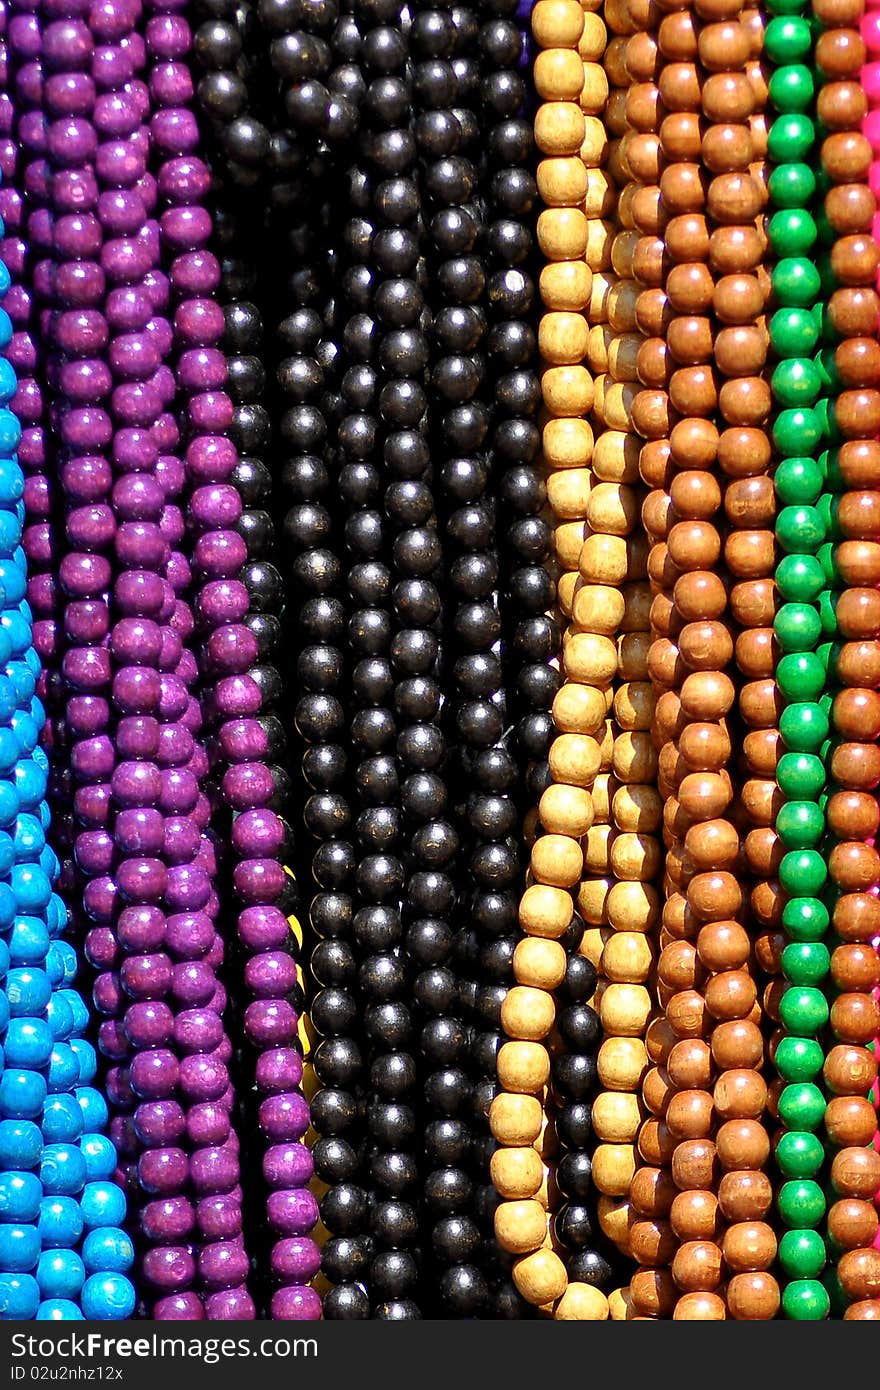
{"type": "Point", "coordinates": [614, 1167]}
{"type": "Point", "coordinates": [557, 74]}
{"type": "Point", "coordinates": [591, 900]}
{"type": "Point", "coordinates": [637, 806]}
{"type": "Point", "coordinates": [527, 1014]}
{"type": "Point", "coordinates": [515, 1119]}
{"type": "Point", "coordinates": [566, 286]}
{"type": "Point", "coordinates": [545, 911]}
{"type": "Point", "coordinates": [606, 747]}
{"type": "Point", "coordinates": [566, 582]}
{"type": "Point", "coordinates": [562, 233]}
{"type": "Point", "coordinates": [567, 390]}
{"type": "Point", "coordinates": [579, 709]}
{"type": "Point", "coordinates": [539, 962]}
{"type": "Point", "coordinates": [604, 560]}
{"type": "Point", "coordinates": [594, 148]}
{"type": "Point", "coordinates": [557, 860]}
{"type": "Point", "coordinates": [621, 1063]}
{"type": "Point", "coordinates": [633, 907]}
{"type": "Point", "coordinates": [557, 23]}
{"type": "Point", "coordinates": [562, 337]}
{"type": "Point", "coordinates": [540, 1277]}
{"type": "Point", "coordinates": [616, 457]}
{"type": "Point", "coordinates": [562, 182]}
{"type": "Point", "coordinates": [591, 657]}
{"type": "Point", "coordinates": [625, 1010]}
{"type": "Point", "coordinates": [520, 1226]}
{"type": "Point", "coordinates": [612, 508]}
{"type": "Point", "coordinates": [516, 1173]}
{"type": "Point", "coordinates": [581, 1303]}
{"type": "Point", "coordinates": [566, 810]}
{"type": "Point", "coordinates": [574, 759]}
{"type": "Point", "coordinates": [594, 37]}
{"type": "Point", "coordinates": [567, 443]}
{"type": "Point", "coordinates": [617, 1116]}
{"type": "Point", "coordinates": [567, 492]}
{"type": "Point", "coordinates": [523, 1067]}
{"type": "Point", "coordinates": [627, 958]}
{"type": "Point", "coordinates": [598, 608]}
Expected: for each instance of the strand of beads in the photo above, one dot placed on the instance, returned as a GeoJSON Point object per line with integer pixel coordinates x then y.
{"type": "Point", "coordinates": [850, 1067]}
{"type": "Point", "coordinates": [55, 1162]}
{"type": "Point", "coordinates": [799, 1005]}
{"type": "Point", "coordinates": [540, 960]}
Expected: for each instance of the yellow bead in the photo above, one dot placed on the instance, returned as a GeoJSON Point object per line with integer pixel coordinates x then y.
{"type": "Point", "coordinates": [567, 443]}
{"type": "Point", "coordinates": [567, 541]}
{"type": "Point", "coordinates": [636, 856]}
{"type": "Point", "coordinates": [612, 508]}
{"type": "Point", "coordinates": [574, 758]}
{"type": "Point", "coordinates": [614, 1167]}
{"type": "Point", "coordinates": [527, 1014]}
{"type": "Point", "coordinates": [625, 1010]}
{"type": "Point", "coordinates": [591, 899]}
{"type": "Point", "coordinates": [633, 906]}
{"type": "Point", "coordinates": [539, 962]}
{"type": "Point", "coordinates": [594, 92]}
{"type": "Point", "coordinates": [566, 810]}
{"type": "Point", "coordinates": [559, 128]}
{"type": "Point", "coordinates": [557, 860]}
{"type": "Point", "coordinates": [566, 286]}
{"type": "Point", "coordinates": [621, 1063]}
{"type": "Point", "coordinates": [566, 583]}
{"type": "Point", "coordinates": [637, 806]}
{"type": "Point", "coordinates": [627, 958]}
{"type": "Point", "coordinates": [634, 705]}
{"type": "Point", "coordinates": [598, 608]}
{"type": "Point", "coordinates": [581, 1303]}
{"type": "Point", "coordinates": [622, 301]}
{"type": "Point", "coordinates": [562, 182]}
{"type": "Point", "coordinates": [635, 757]}
{"type": "Point", "coordinates": [591, 657]}
{"type": "Point", "coordinates": [593, 40]}
{"type": "Point", "coordinates": [558, 74]}
{"type": "Point", "coordinates": [567, 390]}
{"type": "Point", "coordinates": [567, 493]}
{"type": "Point", "coordinates": [603, 789]}
{"type": "Point", "coordinates": [597, 849]}
{"type": "Point", "coordinates": [515, 1119]}
{"type": "Point", "coordinates": [594, 147]}
{"type": "Point", "coordinates": [562, 233]}
{"type": "Point", "coordinates": [520, 1226]}
{"type": "Point", "coordinates": [516, 1174]}
{"type": "Point", "coordinates": [562, 337]}
{"type": "Point", "coordinates": [604, 560]}
{"type": "Point", "coordinates": [579, 708]}
{"type": "Point", "coordinates": [545, 911]}
{"type": "Point", "coordinates": [623, 353]}
{"type": "Point", "coordinates": [557, 23]}
{"type": "Point", "coordinates": [614, 1218]}
{"type": "Point", "coordinates": [616, 457]}
{"type": "Point", "coordinates": [523, 1067]}
{"type": "Point", "coordinates": [620, 397]}
{"type": "Point", "coordinates": [617, 1116]}
{"type": "Point", "coordinates": [540, 1277]}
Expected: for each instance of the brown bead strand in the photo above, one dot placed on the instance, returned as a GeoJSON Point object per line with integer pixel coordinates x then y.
{"type": "Point", "coordinates": [706, 220]}
{"type": "Point", "coordinates": [853, 813]}
{"type": "Point", "coordinates": [517, 1115]}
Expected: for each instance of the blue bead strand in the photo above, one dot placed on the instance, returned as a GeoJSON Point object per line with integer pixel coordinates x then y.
{"type": "Point", "coordinates": [63, 1254]}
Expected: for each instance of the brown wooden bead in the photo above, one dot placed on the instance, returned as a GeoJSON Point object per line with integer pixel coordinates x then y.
{"type": "Point", "coordinates": [748, 1246]}
{"type": "Point", "coordinates": [739, 1093]}
{"type": "Point", "coordinates": [855, 1172]}
{"type": "Point", "coordinates": [855, 967]}
{"type": "Point", "coordinates": [737, 1044]}
{"type": "Point", "coordinates": [697, 1267]}
{"type": "Point", "coordinates": [753, 1297]}
{"type": "Point", "coordinates": [856, 917]}
{"type": "Point", "coordinates": [745, 1194]}
{"type": "Point", "coordinates": [743, 1142]}
{"type": "Point", "coordinates": [652, 1242]}
{"type": "Point", "coordinates": [693, 1164]}
{"type": "Point", "coordinates": [700, 1307]}
{"type": "Point", "coordinates": [540, 1277]}
{"type": "Point", "coordinates": [730, 994]}
{"type": "Point", "coordinates": [689, 1115]}
{"type": "Point", "coordinates": [866, 1310]}
{"type": "Point", "coordinates": [855, 1018]}
{"type": "Point", "coordinates": [653, 1293]}
{"type": "Point", "coordinates": [694, 1215]}
{"type": "Point", "coordinates": [515, 1119]}
{"type": "Point", "coordinates": [853, 311]}
{"type": "Point", "coordinates": [859, 1273]}
{"type": "Point", "coordinates": [852, 1223]}
{"type": "Point", "coordinates": [856, 715]}
{"type": "Point", "coordinates": [849, 1070]}
{"type": "Point", "coordinates": [520, 1226]}
{"type": "Point", "coordinates": [858, 614]}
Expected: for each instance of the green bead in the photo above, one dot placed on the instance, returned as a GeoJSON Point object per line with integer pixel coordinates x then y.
{"type": "Point", "coordinates": [805, 919]}
{"type": "Point", "coordinates": [800, 775]}
{"type": "Point", "coordinates": [826, 366]}
{"type": "Point", "coordinates": [787, 38]}
{"type": "Point", "coordinates": [800, 676]}
{"type": "Point", "coordinates": [796, 381]}
{"type": "Point", "coordinates": [791, 88]}
{"type": "Point", "coordinates": [793, 333]}
{"type": "Point", "coordinates": [800, 824]}
{"type": "Point", "coordinates": [798, 627]}
{"type": "Point", "coordinates": [802, 1254]}
{"type": "Point", "coordinates": [828, 612]}
{"type": "Point", "coordinates": [801, 1105]}
{"type": "Point", "coordinates": [801, 1202]}
{"type": "Point", "coordinates": [796, 280]}
{"type": "Point", "coordinates": [829, 462]}
{"type": "Point", "coordinates": [797, 479]}
{"type": "Point", "coordinates": [827, 421]}
{"type": "Point", "coordinates": [806, 962]}
{"type": "Point", "coordinates": [803, 726]}
{"type": "Point", "coordinates": [838, 1297]}
{"type": "Point", "coordinates": [792, 231]}
{"type": "Point", "coordinates": [803, 871]}
{"type": "Point", "coordinates": [805, 1300]}
{"type": "Point", "coordinates": [797, 431]}
{"type": "Point", "coordinates": [828, 560]}
{"type": "Point", "coordinates": [798, 1059]}
{"type": "Point", "coordinates": [803, 1010]}
{"type": "Point", "coordinates": [792, 135]}
{"type": "Point", "coordinates": [799, 1154]}
{"type": "Point", "coordinates": [799, 577]}
{"type": "Point", "coordinates": [800, 530]}
{"type": "Point", "coordinates": [786, 6]}
{"type": "Point", "coordinates": [828, 508]}
{"type": "Point", "coordinates": [791, 185]}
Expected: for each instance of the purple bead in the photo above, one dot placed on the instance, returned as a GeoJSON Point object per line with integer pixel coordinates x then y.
{"type": "Point", "coordinates": [259, 880]}
{"type": "Point", "coordinates": [170, 1267]}
{"type": "Point", "coordinates": [230, 1305]}
{"type": "Point", "coordinates": [137, 736]}
{"type": "Point", "coordinates": [296, 1303]}
{"type": "Point", "coordinates": [287, 1165]}
{"type": "Point", "coordinates": [154, 1075]}
{"type": "Point", "coordinates": [170, 1218]}
{"type": "Point", "coordinates": [279, 1070]}
{"type": "Point", "coordinates": [197, 1030]}
{"type": "Point", "coordinates": [203, 1078]}
{"type": "Point", "coordinates": [285, 1117]}
{"type": "Point", "coordinates": [271, 1023]}
{"type": "Point", "coordinates": [142, 880]}
{"type": "Point", "coordinates": [271, 976]}
{"type": "Point", "coordinates": [263, 928]}
{"type": "Point", "coordinates": [223, 1265]}
{"type": "Point", "coordinates": [292, 1213]}
{"type": "Point", "coordinates": [208, 1123]}
{"type": "Point", "coordinates": [141, 928]}
{"type": "Point", "coordinates": [180, 1307]}
{"type": "Point", "coordinates": [193, 983]}
{"type": "Point", "coordinates": [296, 1259]}
{"type": "Point", "coordinates": [163, 1172]}
{"type": "Point", "coordinates": [148, 1023]}
{"type": "Point", "coordinates": [214, 1169]}
{"type": "Point", "coordinates": [159, 1123]}
{"type": "Point", "coordinates": [181, 840]}
{"type": "Point", "coordinates": [146, 976]}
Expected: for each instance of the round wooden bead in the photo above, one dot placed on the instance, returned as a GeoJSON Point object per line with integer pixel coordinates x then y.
{"type": "Point", "coordinates": [562, 337]}
{"type": "Point", "coordinates": [539, 963]}
{"type": "Point", "coordinates": [557, 860]}
{"type": "Point", "coordinates": [625, 1009]}
{"type": "Point", "coordinates": [540, 1277]}
{"type": "Point", "coordinates": [582, 1303]}
{"type": "Point", "coordinates": [613, 1168]}
{"type": "Point", "coordinates": [527, 1013]}
{"type": "Point", "coordinates": [517, 1174]}
{"type": "Point", "coordinates": [545, 910]}
{"type": "Point", "coordinates": [565, 288]}
{"type": "Point", "coordinates": [621, 1063]}
{"type": "Point", "coordinates": [627, 957]}
{"type": "Point", "coordinates": [566, 810]}
{"type": "Point", "coordinates": [523, 1067]}
{"type": "Point", "coordinates": [696, 1267]}
{"type": "Point", "coordinates": [558, 74]}
{"type": "Point", "coordinates": [520, 1226]}
{"type": "Point", "coordinates": [753, 1297]}
{"type": "Point", "coordinates": [700, 1307]}
{"type": "Point", "coordinates": [616, 1117]}
{"type": "Point", "coordinates": [557, 23]}
{"type": "Point", "coordinates": [694, 1215]}
{"type": "Point", "coordinates": [579, 709]}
